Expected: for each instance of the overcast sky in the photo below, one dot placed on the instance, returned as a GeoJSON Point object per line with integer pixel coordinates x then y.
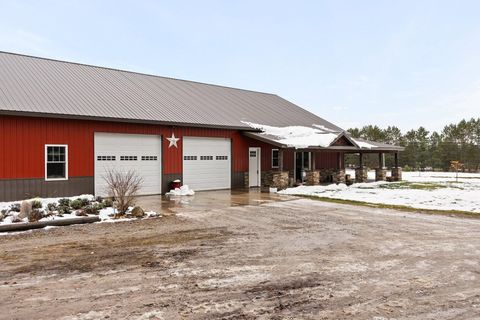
{"type": "Point", "coordinates": [403, 63]}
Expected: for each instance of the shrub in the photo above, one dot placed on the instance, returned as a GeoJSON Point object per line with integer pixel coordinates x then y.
{"type": "Point", "coordinates": [99, 199]}
{"type": "Point", "coordinates": [36, 204]}
{"type": "Point", "coordinates": [93, 208]}
{"type": "Point", "coordinates": [107, 202]}
{"type": "Point", "coordinates": [52, 206]}
{"type": "Point", "coordinates": [84, 201]}
{"type": "Point", "coordinates": [63, 210]}
{"type": "Point", "coordinates": [3, 214]}
{"type": "Point", "coordinates": [407, 168]}
{"type": "Point", "coordinates": [15, 207]}
{"type": "Point", "coordinates": [65, 202]}
{"type": "Point", "coordinates": [35, 215]}
{"type": "Point", "coordinates": [123, 187]}
{"type": "Point", "coordinates": [76, 204]}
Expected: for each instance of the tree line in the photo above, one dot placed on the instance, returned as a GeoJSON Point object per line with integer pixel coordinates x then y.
{"type": "Point", "coordinates": [426, 150]}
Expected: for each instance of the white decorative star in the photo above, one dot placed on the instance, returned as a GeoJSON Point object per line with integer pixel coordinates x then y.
{"type": "Point", "coordinates": [173, 141]}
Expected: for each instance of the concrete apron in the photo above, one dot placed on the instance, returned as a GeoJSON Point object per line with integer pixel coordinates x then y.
{"type": "Point", "coordinates": [208, 200]}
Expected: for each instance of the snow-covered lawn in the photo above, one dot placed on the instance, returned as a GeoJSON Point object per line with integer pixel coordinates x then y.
{"type": "Point", "coordinates": [106, 214]}
{"type": "Point", "coordinates": [421, 190]}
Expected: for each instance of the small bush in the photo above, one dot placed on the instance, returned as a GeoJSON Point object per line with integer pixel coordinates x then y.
{"type": "Point", "coordinates": [107, 202]}
{"type": "Point", "coordinates": [36, 204]}
{"type": "Point", "coordinates": [63, 210]}
{"type": "Point", "coordinates": [76, 204]}
{"type": "Point", "coordinates": [52, 206]}
{"type": "Point", "coordinates": [35, 215]}
{"type": "Point", "coordinates": [124, 187]}
{"type": "Point", "coordinates": [3, 214]}
{"type": "Point", "coordinates": [99, 199]}
{"type": "Point", "coordinates": [93, 208]}
{"type": "Point", "coordinates": [84, 201]}
{"type": "Point", "coordinates": [65, 202]}
{"type": "Point", "coordinates": [15, 207]}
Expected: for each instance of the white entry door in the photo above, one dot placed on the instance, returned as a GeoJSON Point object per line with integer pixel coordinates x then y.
{"type": "Point", "coordinates": [254, 167]}
{"type": "Point", "coordinates": [207, 163]}
{"type": "Point", "coordinates": [124, 152]}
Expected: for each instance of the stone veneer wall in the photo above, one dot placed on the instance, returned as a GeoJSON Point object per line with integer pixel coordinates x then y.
{"type": "Point", "coordinates": [397, 174]}
{"type": "Point", "coordinates": [291, 179]}
{"type": "Point", "coordinates": [274, 179]}
{"type": "Point", "coordinates": [361, 174]}
{"type": "Point", "coordinates": [332, 175]}
{"type": "Point", "coordinates": [339, 176]}
{"type": "Point", "coordinates": [380, 174]}
{"type": "Point", "coordinates": [326, 175]}
{"type": "Point", "coordinates": [312, 177]}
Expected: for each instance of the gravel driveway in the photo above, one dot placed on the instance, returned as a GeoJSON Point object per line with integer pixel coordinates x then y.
{"type": "Point", "coordinates": [296, 259]}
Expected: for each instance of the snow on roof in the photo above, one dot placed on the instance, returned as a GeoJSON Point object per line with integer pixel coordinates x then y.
{"type": "Point", "coordinates": [298, 136]}
{"type": "Point", "coordinates": [364, 145]}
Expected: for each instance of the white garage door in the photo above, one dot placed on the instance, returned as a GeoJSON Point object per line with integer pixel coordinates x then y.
{"type": "Point", "coordinates": [206, 163]}
{"type": "Point", "coordinates": [124, 152]}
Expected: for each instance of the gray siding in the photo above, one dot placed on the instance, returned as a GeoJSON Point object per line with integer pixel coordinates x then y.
{"type": "Point", "coordinates": [18, 189]}
{"type": "Point", "coordinates": [167, 179]}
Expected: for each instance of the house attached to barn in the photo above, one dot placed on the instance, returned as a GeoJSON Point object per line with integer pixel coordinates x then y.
{"type": "Point", "coordinates": [63, 124]}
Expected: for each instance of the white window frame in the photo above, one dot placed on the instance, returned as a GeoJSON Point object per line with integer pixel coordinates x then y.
{"type": "Point", "coordinates": [66, 162]}
{"type": "Point", "coordinates": [278, 150]}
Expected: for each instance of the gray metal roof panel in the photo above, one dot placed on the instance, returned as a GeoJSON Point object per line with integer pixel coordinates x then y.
{"type": "Point", "coordinates": [44, 86]}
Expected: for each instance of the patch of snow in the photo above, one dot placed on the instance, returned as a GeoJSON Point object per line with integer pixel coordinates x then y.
{"type": "Point", "coordinates": [448, 195]}
{"type": "Point", "coordinates": [182, 191]}
{"type": "Point", "coordinates": [105, 214]}
{"type": "Point", "coordinates": [363, 144]}
{"type": "Point", "coordinates": [297, 136]}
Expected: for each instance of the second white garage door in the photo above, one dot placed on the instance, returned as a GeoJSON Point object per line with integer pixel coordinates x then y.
{"type": "Point", "coordinates": [207, 163]}
{"type": "Point", "coordinates": [124, 152]}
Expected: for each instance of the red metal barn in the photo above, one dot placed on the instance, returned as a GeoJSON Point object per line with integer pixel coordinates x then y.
{"type": "Point", "coordinates": [63, 125]}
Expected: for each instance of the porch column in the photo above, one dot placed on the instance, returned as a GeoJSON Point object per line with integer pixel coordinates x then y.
{"type": "Point", "coordinates": [397, 171]}
{"type": "Point", "coordinates": [361, 173]}
{"type": "Point", "coordinates": [339, 173]}
{"type": "Point", "coordinates": [280, 159]}
{"type": "Point", "coordinates": [381, 160]}
{"type": "Point", "coordinates": [381, 171]}
{"type": "Point", "coordinates": [312, 177]}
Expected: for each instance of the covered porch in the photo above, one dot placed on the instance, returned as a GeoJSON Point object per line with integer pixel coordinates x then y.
{"type": "Point", "coordinates": [293, 165]}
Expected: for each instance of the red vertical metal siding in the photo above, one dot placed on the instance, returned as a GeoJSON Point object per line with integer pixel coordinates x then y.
{"type": "Point", "coordinates": [326, 160]}
{"type": "Point", "coordinates": [23, 139]}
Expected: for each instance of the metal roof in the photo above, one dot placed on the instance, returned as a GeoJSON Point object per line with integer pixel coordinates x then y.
{"type": "Point", "coordinates": [51, 88]}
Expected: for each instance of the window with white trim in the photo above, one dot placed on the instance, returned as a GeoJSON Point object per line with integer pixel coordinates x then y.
{"type": "Point", "coordinates": [56, 162]}
{"type": "Point", "coordinates": [275, 158]}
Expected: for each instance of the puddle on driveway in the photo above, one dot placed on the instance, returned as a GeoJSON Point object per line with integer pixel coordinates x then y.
{"type": "Point", "coordinates": [207, 200]}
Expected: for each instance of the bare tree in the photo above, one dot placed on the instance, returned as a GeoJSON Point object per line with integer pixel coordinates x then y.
{"type": "Point", "coordinates": [123, 187]}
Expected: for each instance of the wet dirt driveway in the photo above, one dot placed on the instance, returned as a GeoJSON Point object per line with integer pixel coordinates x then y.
{"type": "Point", "coordinates": [289, 259]}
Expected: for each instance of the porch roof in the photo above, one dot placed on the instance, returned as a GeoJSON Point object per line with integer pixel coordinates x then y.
{"type": "Point", "coordinates": [357, 145]}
